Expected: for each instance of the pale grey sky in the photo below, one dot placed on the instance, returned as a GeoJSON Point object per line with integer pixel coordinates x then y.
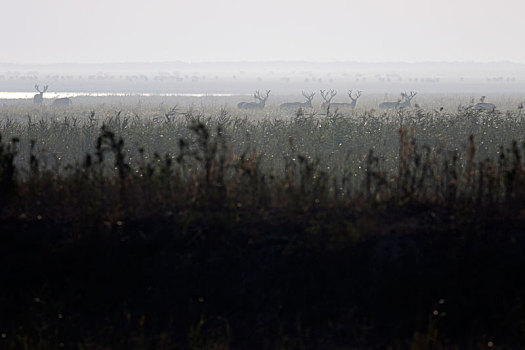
{"type": "Point", "coordinates": [89, 31]}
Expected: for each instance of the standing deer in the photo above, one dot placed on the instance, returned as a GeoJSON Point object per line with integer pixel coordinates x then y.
{"type": "Point", "coordinates": [64, 101]}
{"type": "Point", "coordinates": [354, 100]}
{"type": "Point", "coordinates": [255, 105]}
{"type": "Point", "coordinates": [38, 99]}
{"type": "Point", "coordinates": [307, 103]}
{"type": "Point", "coordinates": [327, 99]}
{"type": "Point", "coordinates": [398, 103]}
{"type": "Point", "coordinates": [484, 106]}
{"type": "Point", "coordinates": [390, 104]}
{"type": "Point", "coordinates": [346, 104]}
{"type": "Point", "coordinates": [408, 98]}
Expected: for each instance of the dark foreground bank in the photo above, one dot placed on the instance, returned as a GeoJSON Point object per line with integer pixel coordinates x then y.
{"type": "Point", "coordinates": [226, 257]}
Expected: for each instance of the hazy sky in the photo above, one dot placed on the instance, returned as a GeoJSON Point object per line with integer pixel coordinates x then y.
{"type": "Point", "coordinates": [51, 31]}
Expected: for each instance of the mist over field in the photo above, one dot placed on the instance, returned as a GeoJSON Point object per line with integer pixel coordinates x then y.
{"type": "Point", "coordinates": [281, 77]}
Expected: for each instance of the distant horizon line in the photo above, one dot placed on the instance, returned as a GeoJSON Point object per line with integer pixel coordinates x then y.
{"type": "Point", "coordinates": [264, 62]}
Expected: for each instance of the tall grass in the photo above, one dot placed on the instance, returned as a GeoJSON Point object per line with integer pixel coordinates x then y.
{"type": "Point", "coordinates": [324, 159]}
{"type": "Point", "coordinates": [219, 232]}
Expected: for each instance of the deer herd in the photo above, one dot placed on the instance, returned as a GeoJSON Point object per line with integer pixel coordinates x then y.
{"type": "Point", "coordinates": [327, 96]}
{"type": "Point", "coordinates": [404, 101]}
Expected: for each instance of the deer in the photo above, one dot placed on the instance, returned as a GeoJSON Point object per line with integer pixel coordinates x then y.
{"type": "Point", "coordinates": [327, 99]}
{"type": "Point", "coordinates": [484, 106]}
{"type": "Point", "coordinates": [345, 104]}
{"type": "Point", "coordinates": [64, 101]}
{"type": "Point", "coordinates": [408, 99]}
{"type": "Point", "coordinates": [307, 103]}
{"type": "Point", "coordinates": [398, 103]}
{"type": "Point", "coordinates": [354, 100]}
{"type": "Point", "coordinates": [255, 105]}
{"type": "Point", "coordinates": [390, 104]}
{"type": "Point", "coordinates": [351, 104]}
{"type": "Point", "coordinates": [38, 99]}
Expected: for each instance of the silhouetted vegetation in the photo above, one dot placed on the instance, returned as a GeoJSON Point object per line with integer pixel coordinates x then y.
{"type": "Point", "coordinates": [217, 244]}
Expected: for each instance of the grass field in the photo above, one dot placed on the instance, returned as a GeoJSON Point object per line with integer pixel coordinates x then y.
{"type": "Point", "coordinates": [186, 223]}
{"type": "Point", "coordinates": [155, 124]}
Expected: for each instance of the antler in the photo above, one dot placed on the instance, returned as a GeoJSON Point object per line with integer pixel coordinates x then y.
{"type": "Point", "coordinates": [38, 89]}
{"type": "Point", "coordinates": [258, 96]}
{"type": "Point", "coordinates": [309, 97]}
{"type": "Point", "coordinates": [407, 96]}
{"type": "Point", "coordinates": [325, 94]}
{"type": "Point", "coordinates": [357, 95]}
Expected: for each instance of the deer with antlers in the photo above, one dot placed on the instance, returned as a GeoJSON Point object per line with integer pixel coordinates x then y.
{"type": "Point", "coordinates": [408, 99]}
{"type": "Point", "coordinates": [38, 99]}
{"type": "Point", "coordinates": [306, 104]}
{"type": "Point", "coordinates": [354, 100]}
{"type": "Point", "coordinates": [351, 104]}
{"type": "Point", "coordinates": [345, 104]}
{"type": "Point", "coordinates": [399, 103]}
{"type": "Point", "coordinates": [327, 99]}
{"type": "Point", "coordinates": [259, 104]}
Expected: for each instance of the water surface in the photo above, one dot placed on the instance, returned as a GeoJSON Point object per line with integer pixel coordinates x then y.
{"type": "Point", "coordinates": [20, 95]}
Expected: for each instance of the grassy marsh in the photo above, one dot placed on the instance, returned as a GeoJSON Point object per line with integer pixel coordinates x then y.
{"type": "Point", "coordinates": [205, 228]}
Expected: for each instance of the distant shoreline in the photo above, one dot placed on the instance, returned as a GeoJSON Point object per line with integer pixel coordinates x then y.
{"type": "Point", "coordinates": [282, 77]}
